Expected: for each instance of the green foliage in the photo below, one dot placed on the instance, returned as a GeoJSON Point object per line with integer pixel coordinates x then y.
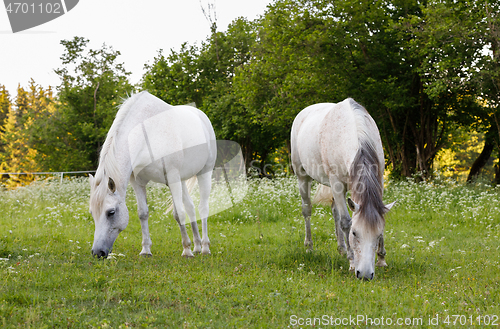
{"type": "Point", "coordinates": [19, 153]}
{"type": "Point", "coordinates": [425, 70]}
{"type": "Point", "coordinates": [441, 241]}
{"type": "Point", "coordinates": [93, 85]}
{"type": "Point", "coordinates": [412, 64]}
{"type": "Point", "coordinates": [5, 104]}
{"type": "Point", "coordinates": [287, 72]}
{"type": "Point", "coordinates": [204, 75]}
{"type": "Point", "coordinates": [173, 78]}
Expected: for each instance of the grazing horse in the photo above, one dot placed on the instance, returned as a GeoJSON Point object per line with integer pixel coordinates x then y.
{"type": "Point", "coordinates": [151, 140]}
{"type": "Point", "coordinates": [339, 146]}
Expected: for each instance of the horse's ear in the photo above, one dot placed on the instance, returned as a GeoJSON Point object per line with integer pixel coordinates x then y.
{"type": "Point", "coordinates": [91, 180]}
{"type": "Point", "coordinates": [111, 185]}
{"type": "Point", "coordinates": [353, 205]}
{"type": "Point", "coordinates": [389, 206]}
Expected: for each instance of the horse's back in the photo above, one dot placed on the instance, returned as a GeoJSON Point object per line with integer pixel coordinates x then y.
{"type": "Point", "coordinates": [325, 139]}
{"type": "Point", "coordinates": [164, 137]}
{"type": "Point", "coordinates": [306, 153]}
{"type": "Point", "coordinates": [178, 118]}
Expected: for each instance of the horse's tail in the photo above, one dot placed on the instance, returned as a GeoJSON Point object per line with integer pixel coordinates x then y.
{"type": "Point", "coordinates": [190, 184]}
{"type": "Point", "coordinates": [323, 196]}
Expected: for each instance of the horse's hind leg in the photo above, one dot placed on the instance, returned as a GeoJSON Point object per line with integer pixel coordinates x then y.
{"type": "Point", "coordinates": [186, 242]}
{"type": "Point", "coordinates": [338, 231]}
{"type": "Point", "coordinates": [381, 253]}
{"type": "Point", "coordinates": [142, 210]}
{"type": "Point", "coordinates": [305, 194]}
{"type": "Point", "coordinates": [179, 214]}
{"type": "Point", "coordinates": [205, 184]}
{"type": "Point", "coordinates": [191, 212]}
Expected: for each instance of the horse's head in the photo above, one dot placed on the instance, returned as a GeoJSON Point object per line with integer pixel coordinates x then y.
{"type": "Point", "coordinates": [365, 237]}
{"type": "Point", "coordinates": [110, 214]}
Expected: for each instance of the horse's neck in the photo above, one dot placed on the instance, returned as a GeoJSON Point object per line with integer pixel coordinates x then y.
{"type": "Point", "coordinates": [121, 164]}
{"type": "Point", "coordinates": [124, 167]}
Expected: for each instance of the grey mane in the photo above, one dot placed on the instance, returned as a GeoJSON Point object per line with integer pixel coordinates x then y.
{"type": "Point", "coordinates": [365, 174]}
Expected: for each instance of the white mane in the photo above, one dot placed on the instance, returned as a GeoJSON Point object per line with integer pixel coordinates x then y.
{"type": "Point", "coordinates": [108, 166]}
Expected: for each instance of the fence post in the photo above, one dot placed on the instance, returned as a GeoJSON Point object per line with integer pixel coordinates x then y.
{"type": "Point", "coordinates": [62, 177]}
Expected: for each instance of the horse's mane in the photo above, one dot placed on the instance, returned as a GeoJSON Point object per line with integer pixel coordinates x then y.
{"type": "Point", "coordinates": [365, 174]}
{"type": "Point", "coordinates": [108, 166]}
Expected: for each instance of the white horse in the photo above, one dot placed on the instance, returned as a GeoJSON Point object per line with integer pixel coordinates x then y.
{"type": "Point", "coordinates": [150, 140]}
{"type": "Point", "coordinates": [339, 145]}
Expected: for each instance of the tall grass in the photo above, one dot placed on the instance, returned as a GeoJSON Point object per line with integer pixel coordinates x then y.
{"type": "Point", "coordinates": [442, 242]}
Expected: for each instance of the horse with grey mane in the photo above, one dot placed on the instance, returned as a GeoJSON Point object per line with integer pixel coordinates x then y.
{"type": "Point", "coordinates": [339, 146]}
{"type": "Point", "coordinates": [151, 140]}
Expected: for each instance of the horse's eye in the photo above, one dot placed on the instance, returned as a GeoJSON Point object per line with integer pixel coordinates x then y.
{"type": "Point", "coordinates": [353, 233]}
{"type": "Point", "coordinates": [110, 213]}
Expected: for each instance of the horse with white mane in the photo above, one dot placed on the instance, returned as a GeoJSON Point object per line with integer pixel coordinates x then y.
{"type": "Point", "coordinates": [339, 146]}
{"type": "Point", "coordinates": [151, 140]}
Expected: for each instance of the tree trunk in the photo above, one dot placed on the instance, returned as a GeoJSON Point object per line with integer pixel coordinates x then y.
{"type": "Point", "coordinates": [482, 159]}
{"type": "Point", "coordinates": [497, 174]}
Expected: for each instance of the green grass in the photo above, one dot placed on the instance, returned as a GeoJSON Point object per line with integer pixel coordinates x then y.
{"type": "Point", "coordinates": [442, 243]}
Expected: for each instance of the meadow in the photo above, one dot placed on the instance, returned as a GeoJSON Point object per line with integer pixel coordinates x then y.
{"type": "Point", "coordinates": [443, 255]}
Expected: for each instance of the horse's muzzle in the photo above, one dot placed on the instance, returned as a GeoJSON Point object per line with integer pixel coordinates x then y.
{"type": "Point", "coordinates": [365, 276]}
{"type": "Point", "coordinates": [100, 253]}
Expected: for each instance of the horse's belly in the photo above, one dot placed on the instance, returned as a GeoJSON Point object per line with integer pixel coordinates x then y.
{"type": "Point", "coordinates": [185, 164]}
{"type": "Point", "coordinates": [164, 144]}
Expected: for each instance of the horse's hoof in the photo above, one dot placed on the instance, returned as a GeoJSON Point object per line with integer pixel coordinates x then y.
{"type": "Point", "coordinates": [197, 248]}
{"type": "Point", "coordinates": [381, 263]}
{"type": "Point", "coordinates": [187, 254]}
{"type": "Point", "coordinates": [205, 251]}
{"type": "Point", "coordinates": [309, 250]}
{"type": "Point", "coordinates": [143, 254]}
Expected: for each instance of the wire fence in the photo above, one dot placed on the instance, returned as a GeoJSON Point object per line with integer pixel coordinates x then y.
{"type": "Point", "coordinates": [54, 173]}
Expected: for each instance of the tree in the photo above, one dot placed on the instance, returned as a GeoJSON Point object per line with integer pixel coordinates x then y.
{"type": "Point", "coordinates": [376, 52]}
{"type": "Point", "coordinates": [19, 154]}
{"type": "Point", "coordinates": [93, 85]}
{"type": "Point", "coordinates": [488, 78]}
{"type": "Point", "coordinates": [204, 75]}
{"type": "Point", "coordinates": [411, 63]}
{"type": "Point", "coordinates": [287, 71]}
{"type": "Point", "coordinates": [175, 78]}
{"type": "Point", "coordinates": [452, 37]}
{"type": "Point", "coordinates": [5, 104]}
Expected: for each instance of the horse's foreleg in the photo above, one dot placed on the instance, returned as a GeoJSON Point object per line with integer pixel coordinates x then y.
{"type": "Point", "coordinates": [305, 194]}
{"type": "Point", "coordinates": [178, 211]}
{"type": "Point", "coordinates": [191, 212]}
{"type": "Point", "coordinates": [381, 253]}
{"type": "Point", "coordinates": [205, 184]}
{"type": "Point", "coordinates": [339, 190]}
{"type": "Point", "coordinates": [345, 224]}
{"type": "Point", "coordinates": [338, 231]}
{"type": "Point", "coordinates": [142, 210]}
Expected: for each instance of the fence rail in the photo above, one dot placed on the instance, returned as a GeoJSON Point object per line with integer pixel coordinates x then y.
{"type": "Point", "coordinates": [55, 173]}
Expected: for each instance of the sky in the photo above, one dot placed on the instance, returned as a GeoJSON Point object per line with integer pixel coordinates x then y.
{"type": "Point", "coordinates": [136, 28]}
